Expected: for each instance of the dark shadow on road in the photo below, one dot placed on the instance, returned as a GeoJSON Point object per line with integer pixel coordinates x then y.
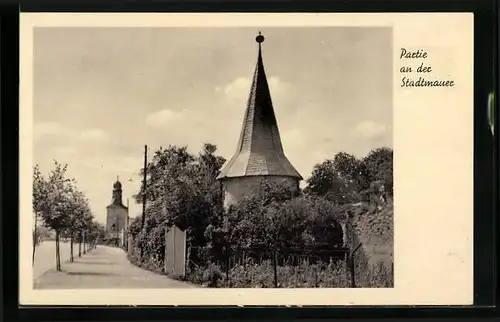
{"type": "Point", "coordinates": [90, 274]}
{"type": "Point", "coordinates": [97, 263]}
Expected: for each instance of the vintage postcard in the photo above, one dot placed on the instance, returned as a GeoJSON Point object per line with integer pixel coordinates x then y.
{"type": "Point", "coordinates": [246, 159]}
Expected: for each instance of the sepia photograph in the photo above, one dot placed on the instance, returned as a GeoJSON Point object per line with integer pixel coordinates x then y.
{"type": "Point", "coordinates": [246, 155]}
{"type": "Point", "coordinates": [268, 157]}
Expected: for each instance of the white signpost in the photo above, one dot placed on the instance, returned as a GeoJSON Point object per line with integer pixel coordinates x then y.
{"type": "Point", "coordinates": [175, 251]}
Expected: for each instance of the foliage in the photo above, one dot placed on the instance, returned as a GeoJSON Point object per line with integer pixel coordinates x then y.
{"type": "Point", "coordinates": [44, 233]}
{"type": "Point", "coordinates": [260, 275]}
{"type": "Point", "coordinates": [181, 190]}
{"type": "Point", "coordinates": [346, 179]}
{"type": "Point", "coordinates": [134, 227]}
{"type": "Point", "coordinates": [62, 207]}
{"type": "Point", "coordinates": [97, 231]}
{"type": "Point", "coordinates": [273, 219]}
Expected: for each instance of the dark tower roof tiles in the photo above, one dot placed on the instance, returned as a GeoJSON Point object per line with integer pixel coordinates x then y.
{"type": "Point", "coordinates": [259, 151]}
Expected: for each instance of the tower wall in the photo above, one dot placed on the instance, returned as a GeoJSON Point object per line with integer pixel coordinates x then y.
{"type": "Point", "coordinates": [235, 189]}
{"type": "Point", "coordinates": [118, 216]}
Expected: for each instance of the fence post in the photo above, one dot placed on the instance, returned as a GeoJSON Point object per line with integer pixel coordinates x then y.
{"type": "Point", "coordinates": [275, 268]}
{"type": "Point", "coordinates": [228, 260]}
{"type": "Point", "coordinates": [316, 282]}
{"type": "Point", "coordinates": [353, 279]}
{"type": "Point", "coordinates": [165, 255]}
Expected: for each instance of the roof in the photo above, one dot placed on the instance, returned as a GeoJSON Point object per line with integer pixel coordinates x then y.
{"type": "Point", "coordinates": [259, 151]}
{"type": "Point", "coordinates": [117, 185]}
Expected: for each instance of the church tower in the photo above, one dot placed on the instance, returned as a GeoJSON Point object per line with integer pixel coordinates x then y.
{"type": "Point", "coordinates": [117, 193]}
{"type": "Point", "coordinates": [117, 214]}
{"type": "Point", "coordinates": [259, 154]}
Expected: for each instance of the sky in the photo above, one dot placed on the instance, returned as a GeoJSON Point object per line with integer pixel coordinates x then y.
{"type": "Point", "coordinates": [101, 94]}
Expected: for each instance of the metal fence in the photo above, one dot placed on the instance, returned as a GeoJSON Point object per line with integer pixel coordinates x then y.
{"type": "Point", "coordinates": [289, 256]}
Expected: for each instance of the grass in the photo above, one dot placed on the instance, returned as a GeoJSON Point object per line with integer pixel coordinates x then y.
{"type": "Point", "coordinates": [261, 275]}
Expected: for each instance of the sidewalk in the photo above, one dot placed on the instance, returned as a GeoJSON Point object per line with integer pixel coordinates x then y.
{"type": "Point", "coordinates": [45, 256]}
{"type": "Point", "coordinates": [104, 267]}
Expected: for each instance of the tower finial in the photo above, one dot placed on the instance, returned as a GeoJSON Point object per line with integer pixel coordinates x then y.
{"type": "Point", "coordinates": [260, 38]}
{"type": "Point", "coordinates": [117, 178]}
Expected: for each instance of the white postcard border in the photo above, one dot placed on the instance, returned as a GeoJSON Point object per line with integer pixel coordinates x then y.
{"type": "Point", "coordinates": [433, 165]}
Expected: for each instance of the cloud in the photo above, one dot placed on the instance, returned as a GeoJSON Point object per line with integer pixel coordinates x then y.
{"type": "Point", "coordinates": [293, 137]}
{"type": "Point", "coordinates": [92, 161]}
{"type": "Point", "coordinates": [65, 151]}
{"type": "Point", "coordinates": [93, 135]}
{"type": "Point", "coordinates": [371, 130]}
{"type": "Point", "coordinates": [279, 88]}
{"type": "Point", "coordinates": [163, 117]}
{"type": "Point", "coordinates": [44, 129]}
{"type": "Point", "coordinates": [239, 89]}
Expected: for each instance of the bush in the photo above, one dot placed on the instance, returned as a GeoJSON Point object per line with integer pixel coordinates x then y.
{"type": "Point", "coordinates": [208, 276]}
{"type": "Point", "coordinates": [182, 191]}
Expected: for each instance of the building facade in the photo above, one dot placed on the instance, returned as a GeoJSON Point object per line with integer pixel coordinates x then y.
{"type": "Point", "coordinates": [117, 215]}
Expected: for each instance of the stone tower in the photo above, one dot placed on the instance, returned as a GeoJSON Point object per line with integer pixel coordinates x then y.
{"type": "Point", "coordinates": [259, 154]}
{"type": "Point", "coordinates": [117, 213]}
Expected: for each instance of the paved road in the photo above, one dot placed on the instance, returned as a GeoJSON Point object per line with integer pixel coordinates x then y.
{"type": "Point", "coordinates": [104, 267]}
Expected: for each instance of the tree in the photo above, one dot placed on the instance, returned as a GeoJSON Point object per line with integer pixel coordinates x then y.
{"type": "Point", "coordinates": [51, 200]}
{"type": "Point", "coordinates": [97, 232]}
{"type": "Point", "coordinates": [81, 219]}
{"type": "Point", "coordinates": [346, 179]}
{"type": "Point", "coordinates": [260, 221]}
{"type": "Point", "coordinates": [337, 180]}
{"type": "Point", "coordinates": [75, 213]}
{"type": "Point", "coordinates": [273, 218]}
{"type": "Point", "coordinates": [378, 165]}
{"type": "Point", "coordinates": [39, 193]}
{"type": "Point", "coordinates": [181, 190]}
{"type": "Point", "coordinates": [134, 227]}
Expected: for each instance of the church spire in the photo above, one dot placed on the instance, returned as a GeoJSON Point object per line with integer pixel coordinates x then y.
{"type": "Point", "coordinates": [259, 151]}
{"type": "Point", "coordinates": [117, 193]}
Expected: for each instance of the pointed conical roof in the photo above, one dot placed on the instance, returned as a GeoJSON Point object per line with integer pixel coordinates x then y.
{"type": "Point", "coordinates": [259, 151]}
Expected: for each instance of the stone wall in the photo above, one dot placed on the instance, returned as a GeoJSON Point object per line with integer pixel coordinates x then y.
{"type": "Point", "coordinates": [235, 189]}
{"type": "Point", "coordinates": [372, 226]}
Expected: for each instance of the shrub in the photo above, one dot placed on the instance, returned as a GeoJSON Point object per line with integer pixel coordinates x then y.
{"type": "Point", "coordinates": [208, 276]}
{"type": "Point", "coordinates": [344, 192]}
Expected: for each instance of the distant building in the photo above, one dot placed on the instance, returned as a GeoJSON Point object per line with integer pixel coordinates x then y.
{"type": "Point", "coordinates": [117, 215]}
{"type": "Point", "coordinates": [259, 154]}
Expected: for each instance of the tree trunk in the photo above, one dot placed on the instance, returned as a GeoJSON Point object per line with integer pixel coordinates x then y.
{"type": "Point", "coordinates": [71, 245]}
{"type": "Point", "coordinates": [80, 246]}
{"type": "Point", "coordinates": [34, 239]}
{"type": "Point", "coordinates": [34, 247]}
{"type": "Point", "coordinates": [84, 242]}
{"type": "Point", "coordinates": [58, 255]}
